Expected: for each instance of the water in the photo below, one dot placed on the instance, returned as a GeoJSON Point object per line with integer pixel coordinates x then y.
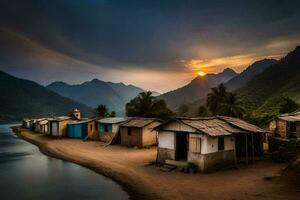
{"type": "Point", "coordinates": [25, 173]}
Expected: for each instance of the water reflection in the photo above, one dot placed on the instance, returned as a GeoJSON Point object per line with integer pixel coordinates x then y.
{"type": "Point", "coordinates": [25, 173]}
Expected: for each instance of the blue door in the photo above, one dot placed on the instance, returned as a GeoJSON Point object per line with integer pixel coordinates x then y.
{"type": "Point", "coordinates": [77, 131]}
{"type": "Point", "coordinates": [70, 130]}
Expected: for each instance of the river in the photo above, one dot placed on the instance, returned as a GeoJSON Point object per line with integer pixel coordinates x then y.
{"type": "Point", "coordinates": [25, 173]}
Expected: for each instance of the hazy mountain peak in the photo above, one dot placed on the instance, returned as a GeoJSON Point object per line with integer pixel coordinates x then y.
{"type": "Point", "coordinates": [251, 71]}
{"type": "Point", "coordinates": [33, 100]}
{"type": "Point", "coordinates": [95, 92]}
{"type": "Point", "coordinates": [58, 83]}
{"type": "Point", "coordinates": [292, 56]}
{"type": "Point", "coordinates": [229, 71]}
{"type": "Point", "coordinates": [197, 88]}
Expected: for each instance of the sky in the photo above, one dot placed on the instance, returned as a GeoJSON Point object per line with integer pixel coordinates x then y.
{"type": "Point", "coordinates": [156, 45]}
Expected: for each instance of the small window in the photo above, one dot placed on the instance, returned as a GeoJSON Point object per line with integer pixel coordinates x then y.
{"type": "Point", "coordinates": [91, 127]}
{"type": "Point", "coordinates": [195, 144]}
{"type": "Point", "coordinates": [128, 131]}
{"type": "Point", "coordinates": [221, 143]}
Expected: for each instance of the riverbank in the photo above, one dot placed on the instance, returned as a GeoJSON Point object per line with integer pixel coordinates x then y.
{"type": "Point", "coordinates": [127, 167]}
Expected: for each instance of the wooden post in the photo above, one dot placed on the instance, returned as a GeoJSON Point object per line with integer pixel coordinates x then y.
{"type": "Point", "coordinates": [252, 148]}
{"type": "Point", "coordinates": [235, 156]}
{"type": "Point", "coordinates": [246, 149]}
{"type": "Point", "coordinates": [156, 160]}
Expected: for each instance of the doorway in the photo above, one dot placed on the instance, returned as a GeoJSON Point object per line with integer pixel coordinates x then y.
{"type": "Point", "coordinates": [181, 146]}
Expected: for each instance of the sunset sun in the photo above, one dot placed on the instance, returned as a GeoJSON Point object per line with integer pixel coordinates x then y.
{"type": "Point", "coordinates": [201, 73]}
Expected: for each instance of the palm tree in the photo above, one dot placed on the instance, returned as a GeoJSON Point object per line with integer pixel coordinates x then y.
{"type": "Point", "coordinates": [231, 106]}
{"type": "Point", "coordinates": [145, 105]}
{"type": "Point", "coordinates": [102, 110]}
{"type": "Point", "coordinates": [215, 98]}
{"type": "Point", "coordinates": [146, 101]}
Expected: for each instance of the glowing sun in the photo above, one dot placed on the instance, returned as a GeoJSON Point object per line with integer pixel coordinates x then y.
{"type": "Point", "coordinates": [201, 73]}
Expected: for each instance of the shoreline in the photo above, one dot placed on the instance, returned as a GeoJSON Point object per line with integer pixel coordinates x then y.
{"type": "Point", "coordinates": [127, 167]}
{"type": "Point", "coordinates": [133, 192]}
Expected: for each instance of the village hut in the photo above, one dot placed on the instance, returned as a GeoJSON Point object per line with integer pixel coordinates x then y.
{"type": "Point", "coordinates": [32, 124]}
{"type": "Point", "coordinates": [26, 123]}
{"type": "Point", "coordinates": [58, 126]}
{"type": "Point", "coordinates": [137, 132]}
{"type": "Point", "coordinates": [81, 129]}
{"type": "Point", "coordinates": [209, 142]}
{"type": "Point", "coordinates": [108, 127]}
{"type": "Point", "coordinates": [286, 126]}
{"type": "Point", "coordinates": [41, 126]}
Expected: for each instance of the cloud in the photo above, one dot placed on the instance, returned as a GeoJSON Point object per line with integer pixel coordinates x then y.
{"type": "Point", "coordinates": [140, 42]}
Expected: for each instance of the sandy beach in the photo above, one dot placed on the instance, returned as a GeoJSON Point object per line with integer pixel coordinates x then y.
{"type": "Point", "coordinates": [128, 167]}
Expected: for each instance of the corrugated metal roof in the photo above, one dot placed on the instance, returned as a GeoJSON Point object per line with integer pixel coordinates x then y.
{"type": "Point", "coordinates": [218, 125]}
{"type": "Point", "coordinates": [291, 117]}
{"type": "Point", "coordinates": [42, 122]}
{"type": "Point", "coordinates": [242, 124]}
{"type": "Point", "coordinates": [80, 121]}
{"type": "Point", "coordinates": [212, 126]}
{"type": "Point", "coordinates": [138, 122]}
{"type": "Point", "coordinates": [61, 118]}
{"type": "Point", "coordinates": [112, 120]}
{"type": "Point", "coordinates": [37, 120]}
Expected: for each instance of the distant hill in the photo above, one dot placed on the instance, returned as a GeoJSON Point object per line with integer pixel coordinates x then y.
{"type": "Point", "coordinates": [263, 93]}
{"type": "Point", "coordinates": [95, 92]}
{"type": "Point", "coordinates": [197, 88]}
{"type": "Point", "coordinates": [22, 98]}
{"type": "Point", "coordinates": [243, 78]}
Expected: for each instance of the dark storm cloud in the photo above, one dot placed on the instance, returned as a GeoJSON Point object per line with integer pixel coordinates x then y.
{"type": "Point", "coordinates": [149, 32]}
{"type": "Point", "coordinates": [153, 35]}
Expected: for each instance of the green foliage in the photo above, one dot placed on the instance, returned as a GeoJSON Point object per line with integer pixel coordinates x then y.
{"type": "Point", "coordinates": [112, 114]}
{"type": "Point", "coordinates": [192, 165]}
{"type": "Point", "coordinates": [221, 102]}
{"type": "Point", "coordinates": [102, 111]}
{"type": "Point", "coordinates": [263, 94]}
{"type": "Point", "coordinates": [259, 120]}
{"type": "Point", "coordinates": [146, 105]}
{"type": "Point", "coordinates": [183, 110]}
{"type": "Point", "coordinates": [232, 106]}
{"type": "Point", "coordinates": [288, 105]}
{"type": "Point", "coordinates": [215, 98]}
{"type": "Point", "coordinates": [202, 111]}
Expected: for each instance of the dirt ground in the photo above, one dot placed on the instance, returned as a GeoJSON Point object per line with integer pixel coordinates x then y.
{"type": "Point", "coordinates": [127, 167]}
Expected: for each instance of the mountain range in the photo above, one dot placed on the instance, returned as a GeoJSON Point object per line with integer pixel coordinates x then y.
{"type": "Point", "coordinates": [22, 98]}
{"type": "Point", "coordinates": [197, 88]}
{"type": "Point", "coordinates": [282, 79]}
{"type": "Point", "coordinates": [244, 77]}
{"type": "Point", "coordinates": [261, 86]}
{"type": "Point", "coordinates": [235, 83]}
{"type": "Point", "coordinates": [96, 92]}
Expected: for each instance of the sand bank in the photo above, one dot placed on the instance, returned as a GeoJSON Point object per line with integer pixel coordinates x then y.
{"type": "Point", "coordinates": [127, 167]}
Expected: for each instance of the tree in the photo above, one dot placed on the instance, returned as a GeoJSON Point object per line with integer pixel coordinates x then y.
{"type": "Point", "coordinates": [112, 114]}
{"type": "Point", "coordinates": [102, 110]}
{"type": "Point", "coordinates": [146, 105]}
{"type": "Point", "coordinates": [231, 106]}
{"type": "Point", "coordinates": [183, 110]}
{"type": "Point", "coordinates": [202, 111]}
{"type": "Point", "coordinates": [288, 105]}
{"type": "Point", "coordinates": [215, 98]}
